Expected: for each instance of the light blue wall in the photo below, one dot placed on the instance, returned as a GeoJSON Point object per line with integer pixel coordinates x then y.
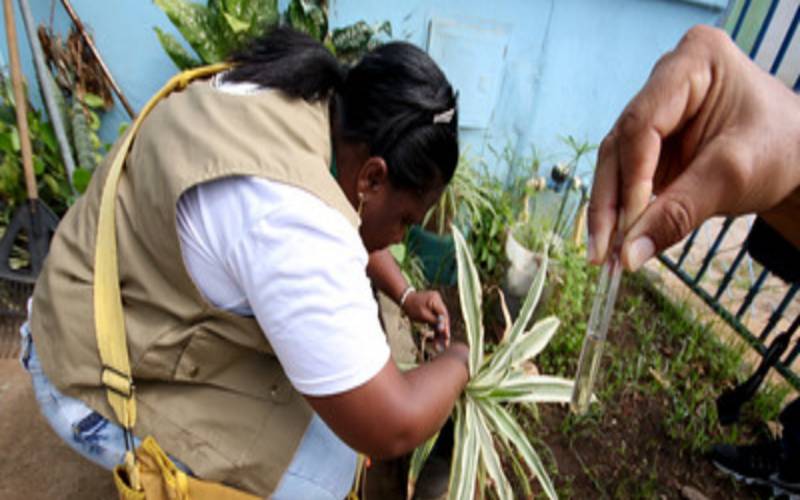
{"type": "Point", "coordinates": [540, 68]}
{"type": "Point", "coordinates": [570, 67]}
{"type": "Point", "coordinates": [123, 33]}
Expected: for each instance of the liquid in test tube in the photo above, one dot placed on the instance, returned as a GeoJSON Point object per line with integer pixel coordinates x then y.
{"type": "Point", "coordinates": [596, 331]}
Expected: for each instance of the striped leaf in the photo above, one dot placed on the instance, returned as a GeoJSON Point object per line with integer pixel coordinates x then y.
{"type": "Point", "coordinates": [489, 457]}
{"type": "Point", "coordinates": [469, 292]}
{"type": "Point", "coordinates": [531, 300]}
{"type": "Point", "coordinates": [503, 356]}
{"type": "Point", "coordinates": [530, 344]}
{"type": "Point", "coordinates": [464, 469]}
{"type": "Point", "coordinates": [533, 389]}
{"type": "Point", "coordinates": [519, 470]}
{"type": "Point", "coordinates": [508, 429]}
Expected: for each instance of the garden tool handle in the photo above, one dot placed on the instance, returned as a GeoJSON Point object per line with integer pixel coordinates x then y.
{"type": "Point", "coordinates": [21, 102]}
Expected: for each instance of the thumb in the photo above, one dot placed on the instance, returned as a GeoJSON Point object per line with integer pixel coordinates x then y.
{"type": "Point", "coordinates": [694, 196]}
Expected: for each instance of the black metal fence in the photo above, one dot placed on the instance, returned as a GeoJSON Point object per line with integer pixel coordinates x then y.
{"type": "Point", "coordinates": [782, 297]}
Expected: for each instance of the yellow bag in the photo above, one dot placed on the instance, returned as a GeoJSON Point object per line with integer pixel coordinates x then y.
{"type": "Point", "coordinates": [160, 479]}
{"type": "Point", "coordinates": [149, 474]}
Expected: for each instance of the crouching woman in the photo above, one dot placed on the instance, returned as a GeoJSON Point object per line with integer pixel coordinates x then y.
{"type": "Point", "coordinates": [246, 214]}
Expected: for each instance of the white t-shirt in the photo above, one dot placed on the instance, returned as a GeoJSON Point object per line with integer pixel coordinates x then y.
{"type": "Point", "coordinates": [274, 251]}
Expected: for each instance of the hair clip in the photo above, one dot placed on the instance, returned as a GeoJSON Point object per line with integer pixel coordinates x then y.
{"type": "Point", "coordinates": [444, 116]}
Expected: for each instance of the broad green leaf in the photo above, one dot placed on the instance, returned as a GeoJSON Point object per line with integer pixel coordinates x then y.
{"type": "Point", "coordinates": [93, 100]}
{"type": "Point", "coordinates": [418, 459]}
{"type": "Point", "coordinates": [38, 165]}
{"type": "Point", "coordinates": [309, 18]}
{"type": "Point", "coordinates": [94, 121]}
{"type": "Point", "coordinates": [15, 144]}
{"type": "Point", "coordinates": [469, 292]}
{"type": "Point", "coordinates": [489, 457]}
{"type": "Point", "coordinates": [80, 179]}
{"type": "Point", "coordinates": [236, 25]}
{"type": "Point", "coordinates": [179, 55]}
{"type": "Point", "coordinates": [194, 21]}
{"type": "Point", "coordinates": [123, 127]}
{"type": "Point", "coordinates": [51, 183]}
{"type": "Point", "coordinates": [352, 41]}
{"type": "Point", "coordinates": [508, 429]}
{"type": "Point", "coordinates": [530, 344]}
{"type": "Point", "coordinates": [398, 251]}
{"type": "Point", "coordinates": [48, 137]}
{"type": "Point", "coordinates": [261, 14]}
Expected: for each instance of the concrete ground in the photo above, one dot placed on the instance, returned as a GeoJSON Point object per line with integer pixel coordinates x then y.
{"type": "Point", "coordinates": [35, 463]}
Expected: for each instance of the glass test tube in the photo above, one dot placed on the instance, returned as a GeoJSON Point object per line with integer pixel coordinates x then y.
{"type": "Point", "coordinates": [592, 351]}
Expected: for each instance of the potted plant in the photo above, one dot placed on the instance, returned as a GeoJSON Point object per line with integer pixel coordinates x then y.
{"type": "Point", "coordinates": [550, 209]}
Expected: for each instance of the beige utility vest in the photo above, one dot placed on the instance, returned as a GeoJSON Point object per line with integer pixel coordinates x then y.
{"type": "Point", "coordinates": [208, 385]}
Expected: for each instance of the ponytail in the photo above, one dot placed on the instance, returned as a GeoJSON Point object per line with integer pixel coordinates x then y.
{"type": "Point", "coordinates": [290, 61]}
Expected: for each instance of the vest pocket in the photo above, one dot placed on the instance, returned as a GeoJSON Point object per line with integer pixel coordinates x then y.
{"type": "Point", "coordinates": [209, 359]}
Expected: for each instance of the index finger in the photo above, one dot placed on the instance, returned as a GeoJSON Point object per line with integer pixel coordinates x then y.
{"type": "Point", "coordinates": [603, 202]}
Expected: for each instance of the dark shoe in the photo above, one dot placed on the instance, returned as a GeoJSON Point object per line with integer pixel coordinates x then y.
{"type": "Point", "coordinates": [754, 464]}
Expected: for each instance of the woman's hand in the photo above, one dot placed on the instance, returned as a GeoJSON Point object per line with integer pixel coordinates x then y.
{"type": "Point", "coordinates": [709, 134]}
{"type": "Point", "coordinates": [428, 307]}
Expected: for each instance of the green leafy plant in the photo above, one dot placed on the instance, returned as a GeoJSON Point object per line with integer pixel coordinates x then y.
{"type": "Point", "coordinates": [533, 235]}
{"type": "Point", "coordinates": [89, 149]}
{"type": "Point", "coordinates": [410, 266]}
{"type": "Point", "coordinates": [351, 42]}
{"type": "Point", "coordinates": [573, 284]}
{"type": "Point", "coordinates": [520, 170]}
{"type": "Point", "coordinates": [84, 94]}
{"type": "Point", "coordinates": [567, 173]}
{"type": "Point", "coordinates": [488, 225]}
{"type": "Point", "coordinates": [461, 202]}
{"type": "Point", "coordinates": [51, 176]}
{"type": "Point", "coordinates": [216, 30]}
{"type": "Point", "coordinates": [485, 429]}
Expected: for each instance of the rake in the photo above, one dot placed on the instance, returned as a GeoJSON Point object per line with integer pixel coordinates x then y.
{"type": "Point", "coordinates": [32, 224]}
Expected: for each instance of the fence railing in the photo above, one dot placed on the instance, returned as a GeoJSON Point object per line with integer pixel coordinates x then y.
{"type": "Point", "coordinates": [741, 292]}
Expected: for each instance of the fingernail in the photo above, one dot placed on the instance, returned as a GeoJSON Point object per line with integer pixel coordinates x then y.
{"type": "Point", "coordinates": [640, 251]}
{"type": "Point", "coordinates": [591, 250]}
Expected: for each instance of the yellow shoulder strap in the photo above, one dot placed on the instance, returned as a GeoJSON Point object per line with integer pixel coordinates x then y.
{"type": "Point", "coordinates": [109, 321]}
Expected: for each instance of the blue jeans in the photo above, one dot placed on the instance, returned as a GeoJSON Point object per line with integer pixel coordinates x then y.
{"type": "Point", "coordinates": [323, 466]}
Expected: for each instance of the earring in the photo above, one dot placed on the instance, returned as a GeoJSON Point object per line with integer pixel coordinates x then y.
{"type": "Point", "coordinates": [362, 198]}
